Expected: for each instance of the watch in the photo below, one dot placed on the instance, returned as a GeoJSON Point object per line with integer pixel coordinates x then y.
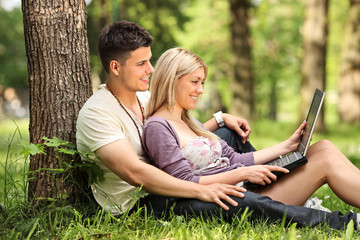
{"type": "Point", "coordinates": [219, 120]}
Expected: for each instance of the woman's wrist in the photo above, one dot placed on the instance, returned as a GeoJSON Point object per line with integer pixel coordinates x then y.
{"type": "Point", "coordinates": [287, 147]}
{"type": "Point", "coordinates": [242, 173]}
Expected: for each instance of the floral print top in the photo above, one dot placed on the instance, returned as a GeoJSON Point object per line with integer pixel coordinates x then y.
{"type": "Point", "coordinates": [204, 155]}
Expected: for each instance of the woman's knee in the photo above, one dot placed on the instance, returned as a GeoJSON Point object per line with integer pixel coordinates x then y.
{"type": "Point", "coordinates": [323, 153]}
{"type": "Point", "coordinates": [323, 147]}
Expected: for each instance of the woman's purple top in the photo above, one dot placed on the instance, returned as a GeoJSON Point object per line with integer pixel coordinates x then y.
{"type": "Point", "coordinates": [198, 158]}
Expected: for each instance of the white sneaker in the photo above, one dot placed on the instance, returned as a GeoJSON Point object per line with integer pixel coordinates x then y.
{"type": "Point", "coordinates": [315, 203]}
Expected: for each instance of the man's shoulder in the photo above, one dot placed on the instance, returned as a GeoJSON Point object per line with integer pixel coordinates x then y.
{"type": "Point", "coordinates": [99, 100]}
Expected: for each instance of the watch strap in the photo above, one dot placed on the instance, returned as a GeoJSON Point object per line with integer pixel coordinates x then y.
{"type": "Point", "coordinates": [219, 119]}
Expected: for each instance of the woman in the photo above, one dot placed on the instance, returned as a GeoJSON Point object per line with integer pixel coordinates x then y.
{"type": "Point", "coordinates": [179, 145]}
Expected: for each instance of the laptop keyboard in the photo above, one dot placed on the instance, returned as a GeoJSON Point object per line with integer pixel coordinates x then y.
{"type": "Point", "coordinates": [285, 160]}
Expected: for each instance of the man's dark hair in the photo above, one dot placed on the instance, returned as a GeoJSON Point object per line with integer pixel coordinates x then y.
{"type": "Point", "coordinates": [117, 40]}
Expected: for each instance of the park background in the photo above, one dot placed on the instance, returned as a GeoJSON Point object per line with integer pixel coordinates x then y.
{"type": "Point", "coordinates": [275, 44]}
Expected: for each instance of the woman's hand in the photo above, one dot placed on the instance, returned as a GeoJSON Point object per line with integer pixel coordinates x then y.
{"type": "Point", "coordinates": [217, 191]}
{"type": "Point", "coordinates": [294, 140]}
{"type": "Point", "coordinates": [262, 174]}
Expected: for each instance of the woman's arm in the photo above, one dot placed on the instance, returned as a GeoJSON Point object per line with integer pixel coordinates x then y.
{"type": "Point", "coordinates": [260, 174]}
{"type": "Point", "coordinates": [163, 147]}
{"type": "Point", "coordinates": [271, 153]}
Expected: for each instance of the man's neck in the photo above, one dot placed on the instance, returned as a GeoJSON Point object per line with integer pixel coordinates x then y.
{"type": "Point", "coordinates": [126, 97]}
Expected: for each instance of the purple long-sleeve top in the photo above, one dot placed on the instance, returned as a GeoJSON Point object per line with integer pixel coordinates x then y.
{"type": "Point", "coordinates": [162, 145]}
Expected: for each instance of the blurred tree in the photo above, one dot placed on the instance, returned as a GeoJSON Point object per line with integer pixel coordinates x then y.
{"type": "Point", "coordinates": [313, 69]}
{"type": "Point", "coordinates": [275, 30]}
{"type": "Point", "coordinates": [243, 86]}
{"type": "Point", "coordinates": [207, 33]}
{"type": "Point", "coordinates": [12, 50]}
{"type": "Point", "coordinates": [59, 81]}
{"type": "Point", "coordinates": [349, 80]}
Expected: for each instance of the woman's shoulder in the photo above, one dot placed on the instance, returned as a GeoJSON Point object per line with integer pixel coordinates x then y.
{"type": "Point", "coordinates": [157, 126]}
{"type": "Point", "coordinates": [158, 123]}
{"type": "Point", "coordinates": [155, 119]}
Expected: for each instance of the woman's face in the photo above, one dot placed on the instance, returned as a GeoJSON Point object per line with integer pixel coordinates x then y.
{"type": "Point", "coordinates": [189, 88]}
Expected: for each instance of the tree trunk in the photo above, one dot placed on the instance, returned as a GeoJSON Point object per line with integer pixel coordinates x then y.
{"type": "Point", "coordinates": [349, 81]}
{"type": "Point", "coordinates": [315, 32]}
{"type": "Point", "coordinates": [59, 84]}
{"type": "Point", "coordinates": [243, 76]}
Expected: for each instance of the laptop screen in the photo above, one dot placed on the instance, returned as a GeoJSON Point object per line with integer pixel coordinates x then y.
{"type": "Point", "coordinates": [311, 121]}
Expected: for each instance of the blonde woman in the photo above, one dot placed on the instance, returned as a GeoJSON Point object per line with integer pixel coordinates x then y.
{"type": "Point", "coordinates": [179, 145]}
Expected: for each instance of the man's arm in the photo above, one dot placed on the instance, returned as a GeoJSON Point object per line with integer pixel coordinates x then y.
{"type": "Point", "coordinates": [121, 158]}
{"type": "Point", "coordinates": [239, 125]}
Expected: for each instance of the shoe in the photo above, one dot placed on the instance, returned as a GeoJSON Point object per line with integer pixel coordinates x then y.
{"type": "Point", "coordinates": [315, 203]}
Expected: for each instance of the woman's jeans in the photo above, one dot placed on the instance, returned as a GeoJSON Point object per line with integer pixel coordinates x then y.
{"type": "Point", "coordinates": [256, 205]}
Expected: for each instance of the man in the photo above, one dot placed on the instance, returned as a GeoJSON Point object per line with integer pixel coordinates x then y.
{"type": "Point", "coordinates": [110, 124]}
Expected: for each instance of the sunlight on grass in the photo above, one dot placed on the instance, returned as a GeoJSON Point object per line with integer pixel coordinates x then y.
{"type": "Point", "coordinates": [12, 164]}
{"type": "Point", "coordinates": [7, 131]}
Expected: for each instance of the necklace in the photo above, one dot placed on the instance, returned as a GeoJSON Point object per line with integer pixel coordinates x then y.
{"type": "Point", "coordinates": [123, 107]}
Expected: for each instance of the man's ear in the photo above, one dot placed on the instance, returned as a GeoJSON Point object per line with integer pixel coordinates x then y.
{"type": "Point", "coordinates": [115, 67]}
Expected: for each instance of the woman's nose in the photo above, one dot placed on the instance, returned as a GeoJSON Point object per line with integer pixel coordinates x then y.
{"type": "Point", "coordinates": [200, 89]}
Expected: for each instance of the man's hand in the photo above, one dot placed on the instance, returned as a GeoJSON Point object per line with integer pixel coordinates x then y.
{"type": "Point", "coordinates": [216, 192]}
{"type": "Point", "coordinates": [240, 125]}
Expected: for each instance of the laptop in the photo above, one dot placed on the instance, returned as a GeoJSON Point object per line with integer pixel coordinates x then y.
{"type": "Point", "coordinates": [297, 158]}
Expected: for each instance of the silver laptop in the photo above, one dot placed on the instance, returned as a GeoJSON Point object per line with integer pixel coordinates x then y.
{"type": "Point", "coordinates": [298, 158]}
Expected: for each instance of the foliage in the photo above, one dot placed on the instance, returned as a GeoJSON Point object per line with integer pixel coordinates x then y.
{"type": "Point", "coordinates": [61, 147]}
{"type": "Point", "coordinates": [12, 50]}
{"type": "Point", "coordinates": [207, 33]}
{"type": "Point", "coordinates": [203, 27]}
{"type": "Point", "coordinates": [276, 33]}
{"type": "Point", "coordinates": [160, 18]}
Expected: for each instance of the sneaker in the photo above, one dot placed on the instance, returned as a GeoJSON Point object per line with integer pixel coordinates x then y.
{"type": "Point", "coordinates": [315, 203]}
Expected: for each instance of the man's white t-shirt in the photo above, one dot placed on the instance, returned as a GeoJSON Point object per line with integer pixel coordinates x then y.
{"type": "Point", "coordinates": [102, 121]}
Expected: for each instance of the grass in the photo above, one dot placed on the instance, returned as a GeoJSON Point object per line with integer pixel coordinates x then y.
{"type": "Point", "coordinates": [20, 221]}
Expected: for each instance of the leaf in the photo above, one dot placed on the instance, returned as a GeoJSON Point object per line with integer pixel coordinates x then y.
{"type": "Point", "coordinates": [349, 230]}
{"type": "Point", "coordinates": [68, 151]}
{"type": "Point", "coordinates": [94, 173]}
{"type": "Point", "coordinates": [31, 149]}
{"type": "Point", "coordinates": [54, 142]}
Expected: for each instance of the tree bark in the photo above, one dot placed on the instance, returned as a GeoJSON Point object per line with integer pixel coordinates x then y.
{"type": "Point", "coordinates": [315, 33]}
{"type": "Point", "coordinates": [349, 80]}
{"type": "Point", "coordinates": [243, 94]}
{"type": "Point", "coordinates": [59, 84]}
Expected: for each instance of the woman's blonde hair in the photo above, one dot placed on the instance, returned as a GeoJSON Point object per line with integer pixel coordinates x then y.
{"type": "Point", "coordinates": [171, 66]}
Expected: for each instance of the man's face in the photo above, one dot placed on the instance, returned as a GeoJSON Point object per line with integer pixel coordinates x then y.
{"type": "Point", "coordinates": [137, 70]}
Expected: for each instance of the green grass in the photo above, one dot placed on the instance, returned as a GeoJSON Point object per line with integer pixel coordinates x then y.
{"type": "Point", "coordinates": [19, 220]}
